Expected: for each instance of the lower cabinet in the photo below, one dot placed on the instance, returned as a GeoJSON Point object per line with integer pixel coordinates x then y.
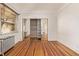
{"type": "Point", "coordinates": [6, 44]}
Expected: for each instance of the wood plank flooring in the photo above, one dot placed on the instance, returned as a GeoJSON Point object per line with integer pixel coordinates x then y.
{"type": "Point", "coordinates": [31, 47]}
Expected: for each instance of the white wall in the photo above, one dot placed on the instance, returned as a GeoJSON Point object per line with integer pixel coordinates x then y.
{"type": "Point", "coordinates": [68, 26]}
{"type": "Point", "coordinates": [52, 22]}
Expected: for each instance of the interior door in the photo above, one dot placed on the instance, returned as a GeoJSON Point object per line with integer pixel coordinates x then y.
{"type": "Point", "coordinates": [35, 28]}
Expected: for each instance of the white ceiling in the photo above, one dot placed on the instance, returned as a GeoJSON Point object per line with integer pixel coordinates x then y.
{"type": "Point", "coordinates": [32, 7]}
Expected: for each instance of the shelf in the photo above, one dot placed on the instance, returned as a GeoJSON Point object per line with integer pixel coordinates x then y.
{"type": "Point", "coordinates": [8, 22]}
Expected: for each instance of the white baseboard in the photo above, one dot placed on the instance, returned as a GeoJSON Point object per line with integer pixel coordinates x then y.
{"type": "Point", "coordinates": [64, 43]}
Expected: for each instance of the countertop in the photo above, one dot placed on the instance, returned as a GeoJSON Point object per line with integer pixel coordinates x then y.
{"type": "Point", "coordinates": [7, 35]}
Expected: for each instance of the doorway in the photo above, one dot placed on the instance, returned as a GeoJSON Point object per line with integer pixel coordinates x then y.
{"type": "Point", "coordinates": [35, 29]}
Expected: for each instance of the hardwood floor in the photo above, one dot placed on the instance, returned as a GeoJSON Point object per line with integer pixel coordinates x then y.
{"type": "Point", "coordinates": [29, 47]}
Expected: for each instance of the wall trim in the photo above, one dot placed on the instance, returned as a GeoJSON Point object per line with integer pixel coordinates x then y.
{"type": "Point", "coordinates": [68, 46]}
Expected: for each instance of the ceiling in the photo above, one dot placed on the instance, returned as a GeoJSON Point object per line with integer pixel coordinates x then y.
{"type": "Point", "coordinates": [35, 7]}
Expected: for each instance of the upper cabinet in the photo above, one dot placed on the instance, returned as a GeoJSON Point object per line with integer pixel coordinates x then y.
{"type": "Point", "coordinates": [7, 19]}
